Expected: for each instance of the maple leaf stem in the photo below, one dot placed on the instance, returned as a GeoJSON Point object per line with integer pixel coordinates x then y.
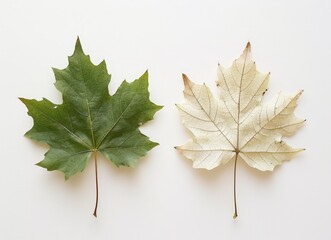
{"type": "Point", "coordinates": [96, 184]}
{"type": "Point", "coordinates": [235, 215]}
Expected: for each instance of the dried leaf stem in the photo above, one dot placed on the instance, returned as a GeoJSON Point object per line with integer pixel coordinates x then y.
{"type": "Point", "coordinates": [235, 215]}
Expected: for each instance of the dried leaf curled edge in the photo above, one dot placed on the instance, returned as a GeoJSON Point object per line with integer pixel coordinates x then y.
{"type": "Point", "coordinates": [90, 121]}
{"type": "Point", "coordinates": [237, 126]}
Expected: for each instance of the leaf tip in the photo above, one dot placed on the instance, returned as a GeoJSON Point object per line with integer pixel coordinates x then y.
{"type": "Point", "coordinates": [185, 79]}
{"type": "Point", "coordinates": [41, 163]}
{"type": "Point", "coordinates": [179, 148]}
{"type": "Point", "coordinates": [155, 144]}
{"type": "Point", "coordinates": [145, 73]}
{"type": "Point", "coordinates": [143, 78]}
{"type": "Point", "coordinates": [248, 47]}
{"type": "Point", "coordinates": [158, 107]}
{"type": "Point", "coordinates": [78, 46]}
{"type": "Point", "coordinates": [77, 40]}
{"type": "Point", "coordinates": [22, 99]}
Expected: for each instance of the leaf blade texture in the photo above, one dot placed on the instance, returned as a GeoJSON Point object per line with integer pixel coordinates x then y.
{"type": "Point", "coordinates": [236, 125]}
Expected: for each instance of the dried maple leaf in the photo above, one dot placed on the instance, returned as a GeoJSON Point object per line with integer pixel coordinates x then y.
{"type": "Point", "coordinates": [90, 120]}
{"type": "Point", "coordinates": [237, 126]}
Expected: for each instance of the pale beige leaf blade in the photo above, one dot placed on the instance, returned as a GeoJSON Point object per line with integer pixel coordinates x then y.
{"type": "Point", "coordinates": [237, 126]}
{"type": "Point", "coordinates": [207, 152]}
{"type": "Point", "coordinates": [270, 122]}
{"type": "Point", "coordinates": [241, 84]}
{"type": "Point", "coordinates": [203, 115]}
{"type": "Point", "coordinates": [266, 157]}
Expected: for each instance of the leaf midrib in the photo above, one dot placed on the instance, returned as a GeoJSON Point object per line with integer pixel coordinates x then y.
{"type": "Point", "coordinates": [89, 114]}
{"type": "Point", "coordinates": [239, 101]}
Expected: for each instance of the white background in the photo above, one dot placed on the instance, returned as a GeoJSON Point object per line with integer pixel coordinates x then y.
{"type": "Point", "coordinates": [164, 197]}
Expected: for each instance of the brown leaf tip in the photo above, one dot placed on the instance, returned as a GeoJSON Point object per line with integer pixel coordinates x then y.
{"type": "Point", "coordinates": [248, 46]}
{"type": "Point", "coordinates": [185, 79]}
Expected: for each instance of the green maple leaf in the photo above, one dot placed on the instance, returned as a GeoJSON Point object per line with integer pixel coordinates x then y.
{"type": "Point", "coordinates": [90, 120]}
